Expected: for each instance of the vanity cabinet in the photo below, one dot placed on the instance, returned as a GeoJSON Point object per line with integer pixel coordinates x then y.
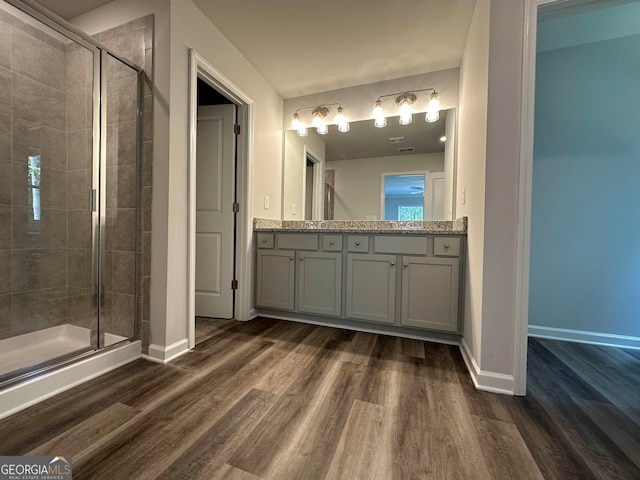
{"type": "Point", "coordinates": [371, 287]}
{"type": "Point", "coordinates": [304, 279]}
{"type": "Point", "coordinates": [403, 281]}
{"type": "Point", "coordinates": [430, 289]}
{"type": "Point", "coordinates": [320, 283]}
{"type": "Point", "coordinates": [275, 279]}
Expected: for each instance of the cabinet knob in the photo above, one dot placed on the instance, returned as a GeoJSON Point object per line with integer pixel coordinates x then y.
{"type": "Point", "coordinates": [290, 258]}
{"type": "Point", "coordinates": [406, 265]}
{"type": "Point", "coordinates": [264, 240]}
{"type": "Point", "coordinates": [393, 264]}
{"type": "Point", "coordinates": [357, 244]}
{"type": "Point", "coordinates": [332, 242]}
{"type": "Point", "coordinates": [446, 245]}
{"type": "Point", "coordinates": [302, 259]}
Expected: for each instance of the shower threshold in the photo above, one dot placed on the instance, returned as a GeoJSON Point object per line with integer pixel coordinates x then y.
{"type": "Point", "coordinates": [43, 346]}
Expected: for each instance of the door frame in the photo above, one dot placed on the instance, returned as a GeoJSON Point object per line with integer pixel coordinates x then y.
{"type": "Point", "coordinates": [525, 187]}
{"type": "Point", "coordinates": [317, 203]}
{"type": "Point", "coordinates": [200, 68]}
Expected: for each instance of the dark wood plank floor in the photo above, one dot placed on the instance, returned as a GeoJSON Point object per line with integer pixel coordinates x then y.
{"type": "Point", "coordinates": [280, 400]}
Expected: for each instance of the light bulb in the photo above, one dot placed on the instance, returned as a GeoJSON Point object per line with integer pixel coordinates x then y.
{"type": "Point", "coordinates": [405, 113]}
{"type": "Point", "coordinates": [443, 138]}
{"type": "Point", "coordinates": [322, 129]}
{"type": "Point", "coordinates": [302, 131]}
{"type": "Point", "coordinates": [378, 115]}
{"type": "Point", "coordinates": [296, 124]}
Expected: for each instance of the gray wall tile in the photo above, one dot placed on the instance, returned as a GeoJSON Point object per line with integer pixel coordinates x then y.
{"type": "Point", "coordinates": [38, 60]}
{"type": "Point", "coordinates": [37, 102]}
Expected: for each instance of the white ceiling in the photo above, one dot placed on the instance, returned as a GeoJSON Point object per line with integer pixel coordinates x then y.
{"type": "Point", "coordinates": [71, 8]}
{"type": "Point", "coordinates": [309, 46]}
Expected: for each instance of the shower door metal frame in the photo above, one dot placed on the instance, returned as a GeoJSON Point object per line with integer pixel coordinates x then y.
{"type": "Point", "coordinates": [97, 195]}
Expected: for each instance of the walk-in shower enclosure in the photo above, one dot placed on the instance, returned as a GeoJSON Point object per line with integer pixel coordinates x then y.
{"type": "Point", "coordinates": [69, 194]}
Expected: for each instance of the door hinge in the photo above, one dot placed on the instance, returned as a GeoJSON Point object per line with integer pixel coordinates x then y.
{"type": "Point", "coordinates": [234, 284]}
{"type": "Point", "coordinates": [236, 129]}
{"type": "Point", "coordinates": [236, 207]}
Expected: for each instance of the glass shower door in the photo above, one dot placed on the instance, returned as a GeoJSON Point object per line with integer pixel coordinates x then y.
{"type": "Point", "coordinates": [120, 197]}
{"type": "Point", "coordinates": [48, 170]}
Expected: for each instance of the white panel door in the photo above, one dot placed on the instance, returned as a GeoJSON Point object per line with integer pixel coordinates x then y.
{"type": "Point", "coordinates": [215, 165]}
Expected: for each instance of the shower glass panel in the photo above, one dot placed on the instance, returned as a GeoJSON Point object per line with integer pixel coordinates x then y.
{"type": "Point", "coordinates": [69, 189]}
{"type": "Point", "coordinates": [120, 249]}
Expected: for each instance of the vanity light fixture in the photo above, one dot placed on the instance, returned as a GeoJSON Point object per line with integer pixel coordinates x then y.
{"type": "Point", "coordinates": [319, 114]}
{"type": "Point", "coordinates": [405, 100]}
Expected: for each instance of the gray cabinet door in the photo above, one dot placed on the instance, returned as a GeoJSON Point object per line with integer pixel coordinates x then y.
{"type": "Point", "coordinates": [430, 293]}
{"type": "Point", "coordinates": [371, 287]}
{"type": "Point", "coordinates": [320, 283]}
{"type": "Point", "coordinates": [275, 279]}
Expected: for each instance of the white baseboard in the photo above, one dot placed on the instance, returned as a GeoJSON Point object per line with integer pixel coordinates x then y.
{"type": "Point", "coordinates": [30, 392]}
{"type": "Point", "coordinates": [483, 380]}
{"type": "Point", "coordinates": [581, 336]}
{"type": "Point", "coordinates": [160, 354]}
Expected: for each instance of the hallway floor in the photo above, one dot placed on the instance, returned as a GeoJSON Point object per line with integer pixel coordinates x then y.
{"type": "Point", "coordinates": [281, 400]}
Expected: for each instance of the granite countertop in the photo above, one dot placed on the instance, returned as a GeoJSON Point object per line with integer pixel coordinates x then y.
{"type": "Point", "coordinates": [455, 227]}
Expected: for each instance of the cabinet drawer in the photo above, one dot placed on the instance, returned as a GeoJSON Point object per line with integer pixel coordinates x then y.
{"type": "Point", "coordinates": [297, 241]}
{"type": "Point", "coordinates": [400, 245]}
{"type": "Point", "coordinates": [332, 243]}
{"type": "Point", "coordinates": [265, 240]}
{"type": "Point", "coordinates": [446, 246]}
{"type": "Point", "coordinates": [358, 243]}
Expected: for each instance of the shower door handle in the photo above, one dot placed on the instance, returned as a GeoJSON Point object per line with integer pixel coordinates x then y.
{"type": "Point", "coordinates": [93, 200]}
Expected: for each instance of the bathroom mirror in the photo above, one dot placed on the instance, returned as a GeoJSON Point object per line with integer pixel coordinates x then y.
{"type": "Point", "coordinates": [399, 172]}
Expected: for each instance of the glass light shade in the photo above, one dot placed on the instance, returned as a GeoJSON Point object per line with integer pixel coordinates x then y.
{"type": "Point", "coordinates": [432, 116]}
{"type": "Point", "coordinates": [378, 115]}
{"type": "Point", "coordinates": [302, 132]}
{"type": "Point", "coordinates": [296, 124]}
{"type": "Point", "coordinates": [434, 103]}
{"type": "Point", "coordinates": [322, 129]}
{"type": "Point", "coordinates": [343, 127]}
{"type": "Point", "coordinates": [405, 113]}
{"type": "Point", "coordinates": [317, 121]}
{"type": "Point", "coordinates": [339, 118]}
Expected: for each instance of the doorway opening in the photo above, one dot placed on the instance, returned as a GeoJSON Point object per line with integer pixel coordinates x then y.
{"type": "Point", "coordinates": [564, 291]}
{"type": "Point", "coordinates": [313, 186]}
{"type": "Point", "coordinates": [215, 200]}
{"type": "Point", "coordinates": [219, 228]}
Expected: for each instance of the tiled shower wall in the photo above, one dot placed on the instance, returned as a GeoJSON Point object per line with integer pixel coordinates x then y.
{"type": "Point", "coordinates": [45, 109]}
{"type": "Point", "coordinates": [134, 42]}
{"type": "Point", "coordinates": [33, 121]}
